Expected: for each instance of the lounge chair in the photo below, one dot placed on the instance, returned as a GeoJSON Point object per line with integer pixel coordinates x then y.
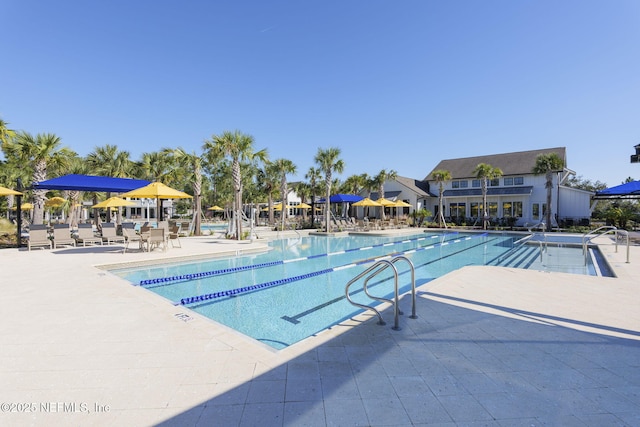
{"type": "Point", "coordinates": [39, 236]}
{"type": "Point", "coordinates": [86, 235]}
{"type": "Point", "coordinates": [62, 236]}
{"type": "Point", "coordinates": [130, 235]}
{"type": "Point", "coordinates": [110, 235]}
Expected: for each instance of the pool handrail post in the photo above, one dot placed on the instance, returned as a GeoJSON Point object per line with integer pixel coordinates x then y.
{"type": "Point", "coordinates": [413, 284]}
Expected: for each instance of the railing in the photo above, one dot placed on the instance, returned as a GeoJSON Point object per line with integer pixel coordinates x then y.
{"type": "Point", "coordinates": [608, 229]}
{"type": "Point", "coordinates": [372, 272]}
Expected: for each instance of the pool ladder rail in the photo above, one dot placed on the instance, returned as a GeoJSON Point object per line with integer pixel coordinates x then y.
{"type": "Point", "coordinates": [601, 231]}
{"type": "Point", "coordinates": [372, 272]}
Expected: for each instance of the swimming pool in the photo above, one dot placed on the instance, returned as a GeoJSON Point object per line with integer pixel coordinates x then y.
{"type": "Point", "coordinates": [297, 288]}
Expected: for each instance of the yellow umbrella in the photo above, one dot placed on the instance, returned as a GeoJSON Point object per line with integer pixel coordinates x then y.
{"type": "Point", "coordinates": [215, 208]}
{"type": "Point", "coordinates": [156, 190]}
{"type": "Point", "coordinates": [24, 207]}
{"type": "Point", "coordinates": [9, 192]}
{"type": "Point", "coordinates": [278, 207]}
{"type": "Point", "coordinates": [55, 202]}
{"type": "Point", "coordinates": [366, 202]}
{"type": "Point", "coordinates": [385, 202]}
{"type": "Point", "coordinates": [401, 204]}
{"type": "Point", "coordinates": [302, 206]}
{"type": "Point", "coordinates": [113, 202]}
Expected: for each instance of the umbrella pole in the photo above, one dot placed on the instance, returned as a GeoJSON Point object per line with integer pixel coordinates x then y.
{"type": "Point", "coordinates": [19, 213]}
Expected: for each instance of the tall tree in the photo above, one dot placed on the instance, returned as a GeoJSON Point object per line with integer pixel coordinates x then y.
{"type": "Point", "coordinates": [239, 148]}
{"type": "Point", "coordinates": [441, 176]}
{"type": "Point", "coordinates": [303, 190]}
{"type": "Point", "coordinates": [110, 161]}
{"type": "Point", "coordinates": [192, 164]}
{"type": "Point", "coordinates": [283, 167]}
{"type": "Point", "coordinates": [37, 153]}
{"type": "Point", "coordinates": [329, 162]}
{"type": "Point", "coordinates": [6, 134]}
{"type": "Point", "coordinates": [268, 179]}
{"type": "Point", "coordinates": [382, 177]}
{"type": "Point", "coordinates": [314, 176]}
{"type": "Point", "coordinates": [485, 173]}
{"type": "Point", "coordinates": [547, 164]}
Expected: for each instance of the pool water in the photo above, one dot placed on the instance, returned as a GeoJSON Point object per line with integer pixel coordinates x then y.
{"type": "Point", "coordinates": [297, 288]}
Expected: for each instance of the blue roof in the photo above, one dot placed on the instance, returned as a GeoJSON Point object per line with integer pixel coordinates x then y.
{"type": "Point", "coordinates": [91, 183]}
{"type": "Point", "coordinates": [342, 198]}
{"type": "Point", "coordinates": [627, 189]}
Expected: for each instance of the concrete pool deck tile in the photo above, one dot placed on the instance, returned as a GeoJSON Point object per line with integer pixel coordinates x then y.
{"type": "Point", "coordinates": [554, 345]}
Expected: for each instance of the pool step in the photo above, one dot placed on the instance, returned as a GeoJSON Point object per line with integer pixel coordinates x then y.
{"type": "Point", "coordinates": [521, 258]}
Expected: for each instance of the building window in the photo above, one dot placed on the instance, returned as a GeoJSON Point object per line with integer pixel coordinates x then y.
{"type": "Point", "coordinates": [459, 184]}
{"type": "Point", "coordinates": [518, 180]}
{"type": "Point", "coordinates": [475, 183]}
{"type": "Point", "coordinates": [512, 209]}
{"type": "Point", "coordinates": [457, 209]}
{"type": "Point", "coordinates": [508, 182]}
{"type": "Point", "coordinates": [494, 182]}
{"type": "Point", "coordinates": [475, 209]}
{"type": "Point", "coordinates": [535, 211]}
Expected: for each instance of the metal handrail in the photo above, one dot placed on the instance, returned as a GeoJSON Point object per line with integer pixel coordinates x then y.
{"type": "Point", "coordinates": [373, 271]}
{"type": "Point", "coordinates": [586, 238]}
{"type": "Point", "coordinates": [413, 283]}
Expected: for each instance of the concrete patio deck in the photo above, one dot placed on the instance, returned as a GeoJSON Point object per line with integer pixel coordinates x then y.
{"type": "Point", "coordinates": [492, 347]}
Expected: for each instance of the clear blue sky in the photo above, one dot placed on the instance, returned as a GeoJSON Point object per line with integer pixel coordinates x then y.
{"type": "Point", "coordinates": [395, 84]}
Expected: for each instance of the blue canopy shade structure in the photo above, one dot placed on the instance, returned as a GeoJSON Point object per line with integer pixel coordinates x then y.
{"type": "Point", "coordinates": [629, 190]}
{"type": "Point", "coordinates": [91, 183]}
{"type": "Point", "coordinates": [342, 198]}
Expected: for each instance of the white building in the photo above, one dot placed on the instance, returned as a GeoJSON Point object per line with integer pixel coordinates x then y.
{"type": "Point", "coordinates": [517, 194]}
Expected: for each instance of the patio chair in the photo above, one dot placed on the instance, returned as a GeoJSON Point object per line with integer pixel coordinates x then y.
{"type": "Point", "coordinates": [185, 228]}
{"type": "Point", "coordinates": [130, 235]}
{"type": "Point", "coordinates": [144, 235]}
{"type": "Point", "coordinates": [174, 236]}
{"type": "Point", "coordinates": [39, 236]}
{"type": "Point", "coordinates": [157, 238]}
{"type": "Point", "coordinates": [86, 235]}
{"type": "Point", "coordinates": [62, 235]}
{"type": "Point", "coordinates": [110, 235]}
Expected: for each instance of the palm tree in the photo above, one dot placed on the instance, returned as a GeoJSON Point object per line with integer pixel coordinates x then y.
{"type": "Point", "coordinates": [112, 162]}
{"type": "Point", "coordinates": [268, 179]}
{"type": "Point", "coordinates": [441, 176]}
{"type": "Point", "coordinates": [547, 164]}
{"type": "Point", "coordinates": [484, 173]}
{"type": "Point", "coordinates": [328, 161]}
{"type": "Point", "coordinates": [37, 153]}
{"type": "Point", "coordinates": [303, 190]}
{"type": "Point", "coordinates": [5, 133]}
{"type": "Point", "coordinates": [354, 184]}
{"type": "Point", "coordinates": [283, 167]}
{"type": "Point", "coordinates": [313, 175]}
{"type": "Point", "coordinates": [78, 166]}
{"type": "Point", "coordinates": [238, 147]}
{"type": "Point", "coordinates": [382, 177]}
{"type": "Point", "coordinates": [192, 163]}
